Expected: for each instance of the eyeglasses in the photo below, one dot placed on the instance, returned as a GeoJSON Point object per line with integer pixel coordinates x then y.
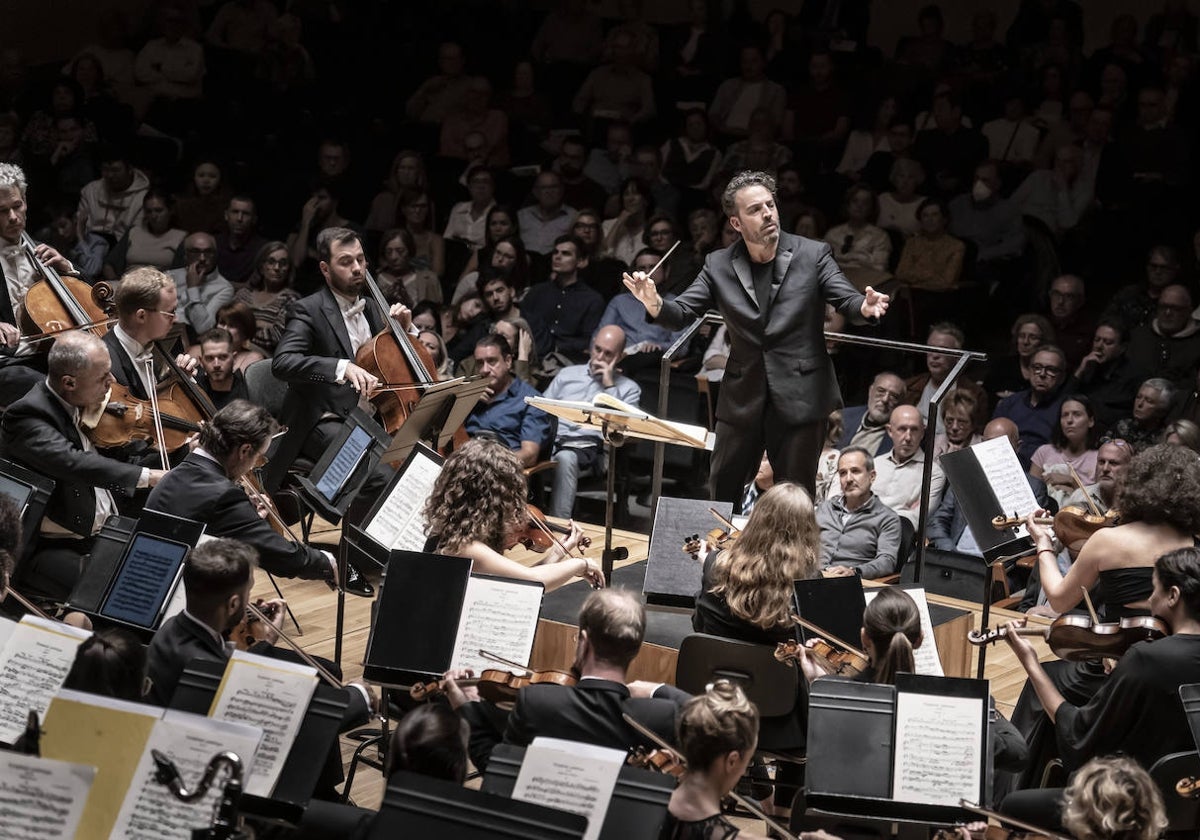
{"type": "Point", "coordinates": [884, 392]}
{"type": "Point", "coordinates": [277, 263]}
{"type": "Point", "coordinates": [200, 251]}
{"type": "Point", "coordinates": [1045, 370]}
{"type": "Point", "coordinates": [172, 314]}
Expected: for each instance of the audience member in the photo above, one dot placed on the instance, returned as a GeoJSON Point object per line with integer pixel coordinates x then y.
{"type": "Point", "coordinates": [932, 260]}
{"type": "Point", "coordinates": [112, 204]}
{"type": "Point", "coordinates": [1074, 328]}
{"type": "Point", "coordinates": [269, 294]}
{"type": "Point", "coordinates": [563, 310]}
{"type": "Point", "coordinates": [860, 535]}
{"type": "Point", "coordinates": [623, 234]}
{"type": "Point", "coordinates": [399, 279]}
{"type": "Point", "coordinates": [1035, 410]}
{"type": "Point", "coordinates": [151, 242]}
{"type": "Point", "coordinates": [239, 243]}
{"type": "Point", "coordinates": [1071, 451]}
{"type": "Point", "coordinates": [1170, 344]}
{"type": "Point", "coordinates": [217, 376]}
{"type": "Point", "coordinates": [866, 425]}
{"type": "Point", "coordinates": [441, 93]}
{"type": "Point", "coordinates": [201, 288]}
{"type": "Point", "coordinates": [1012, 373]}
{"type": "Point", "coordinates": [548, 218]}
{"type": "Point", "coordinates": [1136, 303]}
{"type": "Point", "coordinates": [861, 249]}
{"type": "Point", "coordinates": [619, 90]}
{"type": "Point", "coordinates": [1144, 426]}
{"type": "Point", "coordinates": [738, 98]}
{"type": "Point", "coordinates": [899, 208]}
{"type": "Point", "coordinates": [502, 410]}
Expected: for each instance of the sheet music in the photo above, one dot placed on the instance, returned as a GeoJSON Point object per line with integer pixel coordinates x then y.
{"type": "Point", "coordinates": [926, 657]}
{"type": "Point", "coordinates": [149, 570]}
{"type": "Point", "coordinates": [7, 628]}
{"type": "Point", "coordinates": [399, 523]}
{"type": "Point", "coordinates": [272, 695]}
{"type": "Point", "coordinates": [570, 776]}
{"type": "Point", "coordinates": [1003, 471]}
{"type": "Point", "coordinates": [40, 798]}
{"type": "Point", "coordinates": [939, 746]}
{"type": "Point", "coordinates": [150, 811]}
{"type": "Point", "coordinates": [33, 665]}
{"type": "Point", "coordinates": [498, 616]}
{"type": "Point", "coordinates": [344, 463]}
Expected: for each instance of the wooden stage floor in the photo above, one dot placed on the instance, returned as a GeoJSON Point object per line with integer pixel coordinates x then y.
{"type": "Point", "coordinates": [316, 609]}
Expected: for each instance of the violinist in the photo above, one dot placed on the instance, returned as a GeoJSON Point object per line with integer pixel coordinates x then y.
{"type": "Point", "coordinates": [1136, 710]}
{"type": "Point", "coordinates": [1113, 799]}
{"type": "Point", "coordinates": [1160, 511]}
{"type": "Point", "coordinates": [19, 364]}
{"type": "Point", "coordinates": [315, 354]}
{"type": "Point", "coordinates": [746, 593]}
{"type": "Point", "coordinates": [205, 487]}
{"type": "Point", "coordinates": [46, 431]}
{"type": "Point", "coordinates": [477, 509]}
{"type": "Point", "coordinates": [612, 625]}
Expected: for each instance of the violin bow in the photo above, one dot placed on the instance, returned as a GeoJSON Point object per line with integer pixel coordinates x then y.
{"type": "Point", "coordinates": [722, 520]}
{"type": "Point", "coordinates": [37, 338]}
{"type": "Point", "coordinates": [159, 435]}
{"type": "Point", "coordinates": [808, 625]}
{"type": "Point", "coordinates": [272, 512]}
{"type": "Point", "coordinates": [487, 654]}
{"type": "Point", "coordinates": [1091, 503]}
{"type": "Point", "coordinates": [1087, 599]}
{"type": "Point", "coordinates": [27, 604]}
{"type": "Point", "coordinates": [650, 734]}
{"type": "Point", "coordinates": [1004, 818]}
{"type": "Point", "coordinates": [329, 678]}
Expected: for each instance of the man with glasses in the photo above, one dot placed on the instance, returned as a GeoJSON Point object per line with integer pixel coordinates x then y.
{"type": "Point", "coordinates": [1035, 409]}
{"type": "Point", "coordinates": [1169, 345]}
{"type": "Point", "coordinates": [1136, 303]}
{"type": "Point", "coordinates": [866, 425]}
{"type": "Point", "coordinates": [1074, 328]}
{"type": "Point", "coordinates": [548, 217]}
{"type": "Point", "coordinates": [201, 289]}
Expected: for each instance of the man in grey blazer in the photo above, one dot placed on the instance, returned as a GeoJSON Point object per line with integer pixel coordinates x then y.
{"type": "Point", "coordinates": [779, 385]}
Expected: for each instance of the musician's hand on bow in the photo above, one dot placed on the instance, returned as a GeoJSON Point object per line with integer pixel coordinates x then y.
{"type": "Point", "coordinates": [188, 363]}
{"type": "Point", "coordinates": [49, 257]}
{"type": "Point", "coordinates": [260, 505]}
{"type": "Point", "coordinates": [402, 315]}
{"type": "Point", "coordinates": [572, 539]}
{"type": "Point", "coordinates": [455, 693]}
{"type": "Point", "coordinates": [10, 335]}
{"type": "Point", "coordinates": [642, 287]}
{"type": "Point", "coordinates": [875, 305]}
{"type": "Point", "coordinates": [594, 574]}
{"type": "Point", "coordinates": [359, 379]}
{"type": "Point", "coordinates": [372, 695]}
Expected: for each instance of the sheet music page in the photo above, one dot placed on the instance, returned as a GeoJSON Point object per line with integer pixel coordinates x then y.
{"type": "Point", "coordinates": [399, 523]}
{"type": "Point", "coordinates": [570, 776]}
{"type": "Point", "coordinates": [7, 628]}
{"type": "Point", "coordinates": [498, 616]}
{"type": "Point", "coordinates": [999, 463]}
{"type": "Point", "coordinates": [33, 665]}
{"type": "Point", "coordinates": [272, 695]}
{"type": "Point", "coordinates": [344, 463]}
{"type": "Point", "coordinates": [150, 811]}
{"type": "Point", "coordinates": [939, 749]}
{"type": "Point", "coordinates": [40, 798]}
{"type": "Point", "coordinates": [928, 661]}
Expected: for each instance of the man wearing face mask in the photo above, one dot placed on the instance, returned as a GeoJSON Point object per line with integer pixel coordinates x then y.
{"type": "Point", "coordinates": [994, 224]}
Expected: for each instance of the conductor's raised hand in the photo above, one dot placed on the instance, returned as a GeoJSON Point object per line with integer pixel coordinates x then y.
{"type": "Point", "coordinates": [642, 287]}
{"type": "Point", "coordinates": [875, 305]}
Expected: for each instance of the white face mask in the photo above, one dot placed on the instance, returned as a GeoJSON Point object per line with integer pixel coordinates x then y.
{"type": "Point", "coordinates": [981, 191]}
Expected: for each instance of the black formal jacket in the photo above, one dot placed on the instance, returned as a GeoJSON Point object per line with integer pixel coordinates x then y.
{"type": "Point", "coordinates": [783, 351]}
{"type": "Point", "coordinates": [182, 639]}
{"type": "Point", "coordinates": [591, 712]}
{"type": "Point", "coordinates": [306, 358]}
{"type": "Point", "coordinates": [199, 489]}
{"type": "Point", "coordinates": [37, 431]}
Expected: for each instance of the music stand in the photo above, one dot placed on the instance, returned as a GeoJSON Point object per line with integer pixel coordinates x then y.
{"type": "Point", "coordinates": [336, 479]}
{"type": "Point", "coordinates": [617, 422]}
{"type": "Point", "coordinates": [436, 416]}
{"type": "Point", "coordinates": [30, 492]}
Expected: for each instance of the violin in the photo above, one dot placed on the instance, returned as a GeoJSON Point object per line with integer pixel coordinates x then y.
{"type": "Point", "coordinates": [845, 663]}
{"type": "Point", "coordinates": [126, 418]}
{"type": "Point", "coordinates": [1074, 524]}
{"type": "Point", "coordinates": [1010, 829]}
{"type": "Point", "coordinates": [661, 760]}
{"type": "Point", "coordinates": [539, 531]}
{"type": "Point", "coordinates": [56, 303]}
{"type": "Point", "coordinates": [248, 632]}
{"type": "Point", "coordinates": [1077, 638]}
{"type": "Point", "coordinates": [718, 539]}
{"type": "Point", "coordinates": [1188, 788]}
{"type": "Point", "coordinates": [494, 684]}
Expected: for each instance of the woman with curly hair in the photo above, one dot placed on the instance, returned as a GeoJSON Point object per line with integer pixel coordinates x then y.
{"type": "Point", "coordinates": [1113, 799]}
{"type": "Point", "coordinates": [477, 510]}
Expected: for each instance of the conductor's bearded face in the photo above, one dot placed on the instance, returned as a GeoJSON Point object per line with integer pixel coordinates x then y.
{"type": "Point", "coordinates": [756, 218]}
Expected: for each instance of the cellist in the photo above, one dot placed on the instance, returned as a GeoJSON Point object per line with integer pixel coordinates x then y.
{"type": "Point", "coordinates": [21, 367]}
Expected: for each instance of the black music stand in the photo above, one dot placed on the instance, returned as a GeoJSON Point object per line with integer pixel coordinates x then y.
{"type": "Point", "coordinates": [30, 492]}
{"type": "Point", "coordinates": [421, 806]}
{"type": "Point", "coordinates": [638, 807]}
{"type": "Point", "coordinates": [340, 473]}
{"type": "Point", "coordinates": [198, 686]}
{"type": "Point", "coordinates": [436, 416]}
{"type": "Point", "coordinates": [618, 422]}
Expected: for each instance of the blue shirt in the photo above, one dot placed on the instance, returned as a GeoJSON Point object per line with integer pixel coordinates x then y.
{"type": "Point", "coordinates": [510, 418]}
{"type": "Point", "coordinates": [628, 313]}
{"type": "Point", "coordinates": [563, 318]}
{"type": "Point", "coordinates": [574, 383]}
{"type": "Point", "coordinates": [1035, 422]}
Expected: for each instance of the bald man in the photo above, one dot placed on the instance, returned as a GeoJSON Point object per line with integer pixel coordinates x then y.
{"type": "Point", "coordinates": [202, 291]}
{"type": "Point", "coordinates": [578, 449]}
{"type": "Point", "coordinates": [898, 472]}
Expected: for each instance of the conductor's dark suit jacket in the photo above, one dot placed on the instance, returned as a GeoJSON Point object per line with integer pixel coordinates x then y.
{"type": "Point", "coordinates": [199, 489]}
{"type": "Point", "coordinates": [783, 354]}
{"type": "Point", "coordinates": [38, 433]}
{"type": "Point", "coordinates": [306, 358]}
{"type": "Point", "coordinates": [182, 639]}
{"type": "Point", "coordinates": [590, 711]}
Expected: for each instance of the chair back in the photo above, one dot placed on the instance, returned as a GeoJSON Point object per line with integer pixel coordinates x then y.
{"type": "Point", "coordinates": [265, 389]}
{"type": "Point", "coordinates": [770, 684]}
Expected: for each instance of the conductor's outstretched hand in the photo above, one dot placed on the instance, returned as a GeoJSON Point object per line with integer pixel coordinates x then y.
{"type": "Point", "coordinates": [875, 304]}
{"type": "Point", "coordinates": [641, 287]}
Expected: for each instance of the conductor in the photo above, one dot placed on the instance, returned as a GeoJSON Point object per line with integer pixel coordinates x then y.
{"type": "Point", "coordinates": [771, 287]}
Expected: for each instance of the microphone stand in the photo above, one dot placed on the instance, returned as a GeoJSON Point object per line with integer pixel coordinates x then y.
{"type": "Point", "coordinates": [226, 823]}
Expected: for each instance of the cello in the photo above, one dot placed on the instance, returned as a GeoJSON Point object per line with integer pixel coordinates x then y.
{"type": "Point", "coordinates": [55, 304]}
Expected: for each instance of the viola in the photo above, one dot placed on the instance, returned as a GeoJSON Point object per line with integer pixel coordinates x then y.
{"type": "Point", "coordinates": [1188, 787]}
{"type": "Point", "coordinates": [126, 418]}
{"type": "Point", "coordinates": [56, 303]}
{"type": "Point", "coordinates": [1077, 638]}
{"type": "Point", "coordinates": [497, 686]}
{"type": "Point", "coordinates": [253, 609]}
{"type": "Point", "coordinates": [539, 531]}
{"type": "Point", "coordinates": [846, 663]}
{"type": "Point", "coordinates": [1074, 524]}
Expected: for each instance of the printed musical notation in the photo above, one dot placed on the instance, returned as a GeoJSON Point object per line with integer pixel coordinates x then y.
{"type": "Point", "coordinates": [570, 776]}
{"type": "Point", "coordinates": [40, 798]}
{"type": "Point", "coordinates": [1004, 474]}
{"type": "Point", "coordinates": [399, 524]}
{"type": "Point", "coordinates": [939, 749]}
{"type": "Point", "coordinates": [33, 665]}
{"type": "Point", "coordinates": [499, 616]}
{"type": "Point", "coordinates": [272, 695]}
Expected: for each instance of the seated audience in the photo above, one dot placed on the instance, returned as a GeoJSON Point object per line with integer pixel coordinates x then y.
{"type": "Point", "coordinates": [1036, 409]}
{"type": "Point", "coordinates": [564, 310]}
{"type": "Point", "coordinates": [151, 242]}
{"type": "Point", "coordinates": [1151, 405]}
{"type": "Point", "coordinates": [861, 249]}
{"type": "Point", "coordinates": [200, 287]}
{"type": "Point", "coordinates": [269, 294]}
{"type": "Point", "coordinates": [239, 243]}
{"type": "Point", "coordinates": [238, 320]}
{"type": "Point", "coordinates": [1071, 451]}
{"type": "Point", "coordinates": [866, 425]}
{"type": "Point", "coordinates": [960, 411]}
{"type": "Point", "coordinates": [1170, 344]}
{"type": "Point", "coordinates": [1112, 460]}
{"type": "Point", "coordinates": [502, 410]}
{"type": "Point", "coordinates": [1073, 326]}
{"type": "Point", "coordinates": [400, 280]}
{"type": "Point", "coordinates": [217, 375]}
{"type": "Point", "coordinates": [1106, 375]}
{"type": "Point", "coordinates": [899, 209]}
{"type": "Point", "coordinates": [860, 535]}
{"type": "Point", "coordinates": [623, 235]}
{"type": "Point", "coordinates": [548, 218]}
{"type": "Point", "coordinates": [932, 259]}
{"type": "Point", "coordinates": [1136, 303]}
